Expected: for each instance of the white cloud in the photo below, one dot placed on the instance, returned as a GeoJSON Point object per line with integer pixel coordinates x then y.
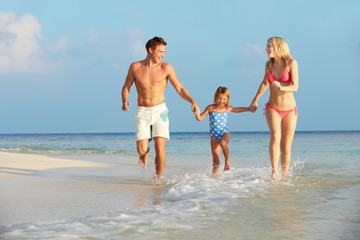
{"type": "Point", "coordinates": [20, 52]}
{"type": "Point", "coordinates": [130, 43]}
{"type": "Point", "coordinates": [250, 61]}
{"type": "Point", "coordinates": [94, 36]}
{"type": "Point", "coordinates": [115, 65]}
{"type": "Point", "coordinates": [137, 41]}
{"type": "Point", "coordinates": [252, 50]}
{"type": "Point", "coordinates": [61, 45]}
{"type": "Point", "coordinates": [100, 39]}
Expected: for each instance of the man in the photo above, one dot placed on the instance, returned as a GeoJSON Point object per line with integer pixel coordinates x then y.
{"type": "Point", "coordinates": [151, 76]}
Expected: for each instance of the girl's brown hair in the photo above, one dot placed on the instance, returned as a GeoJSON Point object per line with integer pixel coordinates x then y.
{"type": "Point", "coordinates": [225, 91]}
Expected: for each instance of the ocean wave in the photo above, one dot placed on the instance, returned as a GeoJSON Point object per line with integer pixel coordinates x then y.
{"type": "Point", "coordinates": [241, 200]}
{"type": "Point", "coordinates": [190, 197]}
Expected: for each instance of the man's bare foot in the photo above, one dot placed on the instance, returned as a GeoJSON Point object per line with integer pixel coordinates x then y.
{"type": "Point", "coordinates": [143, 159]}
{"type": "Point", "coordinates": [158, 180]}
{"type": "Point", "coordinates": [216, 170]}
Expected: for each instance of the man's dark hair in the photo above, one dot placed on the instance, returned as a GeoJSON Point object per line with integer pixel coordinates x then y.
{"type": "Point", "coordinates": [154, 42]}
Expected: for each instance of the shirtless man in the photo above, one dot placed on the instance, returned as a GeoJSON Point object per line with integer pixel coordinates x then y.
{"type": "Point", "coordinates": [151, 76]}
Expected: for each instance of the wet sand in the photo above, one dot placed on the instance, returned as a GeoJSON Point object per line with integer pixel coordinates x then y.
{"type": "Point", "coordinates": [37, 188]}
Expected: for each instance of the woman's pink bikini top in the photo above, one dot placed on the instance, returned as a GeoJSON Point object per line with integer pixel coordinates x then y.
{"type": "Point", "coordinates": [285, 77]}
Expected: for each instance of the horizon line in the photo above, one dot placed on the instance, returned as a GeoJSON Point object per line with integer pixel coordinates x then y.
{"type": "Point", "coordinates": [176, 132]}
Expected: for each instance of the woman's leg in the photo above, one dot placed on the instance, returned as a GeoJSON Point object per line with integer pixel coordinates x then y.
{"type": "Point", "coordinates": [287, 136]}
{"type": "Point", "coordinates": [274, 123]}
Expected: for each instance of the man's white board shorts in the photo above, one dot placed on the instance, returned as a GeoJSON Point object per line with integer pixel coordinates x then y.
{"type": "Point", "coordinates": [152, 122]}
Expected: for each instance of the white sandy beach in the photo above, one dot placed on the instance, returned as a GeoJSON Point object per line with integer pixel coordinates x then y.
{"type": "Point", "coordinates": [37, 188]}
{"type": "Point", "coordinates": [17, 163]}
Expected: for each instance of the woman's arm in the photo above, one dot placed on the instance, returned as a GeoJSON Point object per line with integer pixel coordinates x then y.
{"type": "Point", "coordinates": [262, 88]}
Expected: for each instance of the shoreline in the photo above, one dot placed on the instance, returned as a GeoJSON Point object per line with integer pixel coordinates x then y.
{"type": "Point", "coordinates": [36, 188]}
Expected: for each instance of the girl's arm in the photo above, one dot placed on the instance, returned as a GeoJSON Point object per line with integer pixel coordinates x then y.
{"type": "Point", "coordinates": [263, 86]}
{"type": "Point", "coordinates": [294, 85]}
{"type": "Point", "coordinates": [239, 109]}
{"type": "Point", "coordinates": [201, 116]}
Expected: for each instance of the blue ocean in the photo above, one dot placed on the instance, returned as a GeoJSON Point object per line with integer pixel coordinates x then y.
{"type": "Point", "coordinates": [320, 199]}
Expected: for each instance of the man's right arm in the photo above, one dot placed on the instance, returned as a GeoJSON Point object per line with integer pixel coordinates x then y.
{"type": "Point", "coordinates": [129, 81]}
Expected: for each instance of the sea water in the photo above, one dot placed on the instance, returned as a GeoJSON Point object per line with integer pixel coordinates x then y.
{"type": "Point", "coordinates": [320, 199]}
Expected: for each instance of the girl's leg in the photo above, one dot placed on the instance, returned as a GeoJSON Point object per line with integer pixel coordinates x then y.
{"type": "Point", "coordinates": [287, 136]}
{"type": "Point", "coordinates": [274, 123]}
{"type": "Point", "coordinates": [215, 150]}
{"type": "Point", "coordinates": [224, 146]}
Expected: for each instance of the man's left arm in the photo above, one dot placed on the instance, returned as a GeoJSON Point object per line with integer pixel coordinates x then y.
{"type": "Point", "coordinates": [180, 89]}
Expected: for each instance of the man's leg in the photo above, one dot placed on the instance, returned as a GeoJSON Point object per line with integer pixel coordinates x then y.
{"type": "Point", "coordinates": [160, 157]}
{"type": "Point", "coordinates": [143, 150]}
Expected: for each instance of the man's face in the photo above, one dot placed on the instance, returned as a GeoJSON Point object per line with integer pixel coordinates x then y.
{"type": "Point", "coordinates": [158, 53]}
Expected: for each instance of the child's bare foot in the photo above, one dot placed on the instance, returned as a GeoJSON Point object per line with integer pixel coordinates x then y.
{"type": "Point", "coordinates": [227, 166]}
{"type": "Point", "coordinates": [143, 159]}
{"type": "Point", "coordinates": [274, 176]}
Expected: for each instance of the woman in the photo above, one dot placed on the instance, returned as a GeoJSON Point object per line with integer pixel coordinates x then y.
{"type": "Point", "coordinates": [281, 75]}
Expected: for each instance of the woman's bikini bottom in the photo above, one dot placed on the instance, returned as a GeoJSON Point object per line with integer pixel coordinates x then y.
{"type": "Point", "coordinates": [282, 113]}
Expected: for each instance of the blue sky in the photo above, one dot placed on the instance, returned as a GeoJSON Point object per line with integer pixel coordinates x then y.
{"type": "Point", "coordinates": [63, 63]}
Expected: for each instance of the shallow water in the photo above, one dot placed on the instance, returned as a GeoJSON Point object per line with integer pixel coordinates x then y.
{"type": "Point", "coordinates": [320, 199]}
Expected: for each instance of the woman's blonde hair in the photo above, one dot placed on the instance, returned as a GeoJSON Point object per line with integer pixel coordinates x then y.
{"type": "Point", "coordinates": [222, 90]}
{"type": "Point", "coordinates": [281, 52]}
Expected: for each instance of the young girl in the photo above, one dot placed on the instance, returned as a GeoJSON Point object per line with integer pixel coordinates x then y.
{"type": "Point", "coordinates": [219, 129]}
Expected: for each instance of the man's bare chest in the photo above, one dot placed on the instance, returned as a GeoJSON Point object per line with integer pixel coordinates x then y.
{"type": "Point", "coordinates": [150, 76]}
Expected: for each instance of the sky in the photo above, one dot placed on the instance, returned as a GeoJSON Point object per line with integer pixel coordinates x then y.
{"type": "Point", "coordinates": [63, 62]}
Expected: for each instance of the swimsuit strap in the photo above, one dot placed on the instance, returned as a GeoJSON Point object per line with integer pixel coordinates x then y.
{"type": "Point", "coordinates": [212, 108]}
{"type": "Point", "coordinates": [266, 105]}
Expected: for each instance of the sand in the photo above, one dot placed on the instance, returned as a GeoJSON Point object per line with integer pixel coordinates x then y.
{"type": "Point", "coordinates": [17, 163]}
{"type": "Point", "coordinates": [37, 188]}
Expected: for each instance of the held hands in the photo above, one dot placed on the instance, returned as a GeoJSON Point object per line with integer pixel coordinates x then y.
{"type": "Point", "coordinates": [124, 106]}
{"type": "Point", "coordinates": [253, 107]}
{"type": "Point", "coordinates": [195, 108]}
